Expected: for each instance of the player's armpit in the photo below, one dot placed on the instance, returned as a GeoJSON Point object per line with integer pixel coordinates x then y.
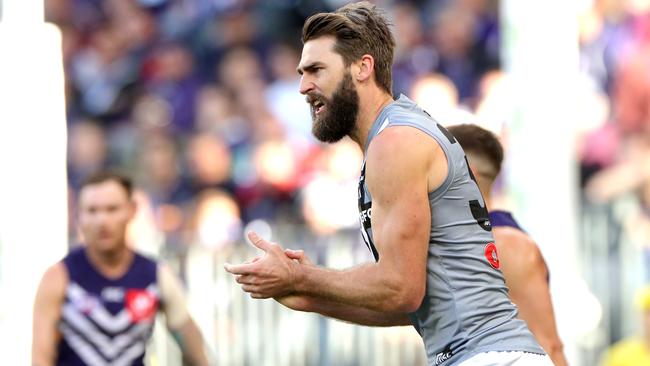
{"type": "Point", "coordinates": [47, 314]}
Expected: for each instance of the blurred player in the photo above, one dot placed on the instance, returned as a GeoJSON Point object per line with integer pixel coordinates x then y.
{"type": "Point", "coordinates": [521, 261]}
{"type": "Point", "coordinates": [98, 305]}
{"type": "Point", "coordinates": [422, 214]}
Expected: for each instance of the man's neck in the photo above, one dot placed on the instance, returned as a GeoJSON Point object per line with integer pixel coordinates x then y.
{"type": "Point", "coordinates": [112, 264]}
{"type": "Point", "coordinates": [486, 190]}
{"type": "Point", "coordinates": [370, 106]}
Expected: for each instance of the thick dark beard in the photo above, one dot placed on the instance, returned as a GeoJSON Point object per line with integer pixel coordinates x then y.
{"type": "Point", "coordinates": [340, 115]}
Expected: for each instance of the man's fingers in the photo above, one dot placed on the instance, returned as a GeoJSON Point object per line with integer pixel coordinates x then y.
{"type": "Point", "coordinates": [245, 279]}
{"type": "Point", "coordinates": [298, 255]}
{"type": "Point", "coordinates": [258, 241]}
{"type": "Point", "coordinates": [253, 260]}
{"type": "Point", "coordinates": [250, 288]}
{"type": "Point", "coordinates": [294, 254]}
{"type": "Point", "coordinates": [240, 269]}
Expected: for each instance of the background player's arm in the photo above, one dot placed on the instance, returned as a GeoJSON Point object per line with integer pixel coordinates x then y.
{"type": "Point", "coordinates": [47, 314]}
{"type": "Point", "coordinates": [179, 322]}
{"type": "Point", "coordinates": [526, 276]}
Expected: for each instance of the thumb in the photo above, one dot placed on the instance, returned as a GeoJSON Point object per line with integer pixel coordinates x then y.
{"type": "Point", "coordinates": [299, 255]}
{"type": "Point", "coordinates": [294, 254]}
{"type": "Point", "coordinates": [257, 241]}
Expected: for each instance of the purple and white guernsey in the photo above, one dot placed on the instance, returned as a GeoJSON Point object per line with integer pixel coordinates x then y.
{"type": "Point", "coordinates": [107, 321]}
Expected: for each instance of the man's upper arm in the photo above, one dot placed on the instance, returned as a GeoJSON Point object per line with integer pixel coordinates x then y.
{"type": "Point", "coordinates": [179, 321]}
{"type": "Point", "coordinates": [399, 163]}
{"type": "Point", "coordinates": [173, 298]}
{"type": "Point", "coordinates": [526, 275]}
{"type": "Point", "coordinates": [47, 314]}
{"type": "Point", "coordinates": [522, 265]}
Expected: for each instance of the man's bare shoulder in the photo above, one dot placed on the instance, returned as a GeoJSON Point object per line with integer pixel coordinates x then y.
{"type": "Point", "coordinates": [54, 279]}
{"type": "Point", "coordinates": [516, 244]}
{"type": "Point", "coordinates": [409, 150]}
{"type": "Point", "coordinates": [401, 139]}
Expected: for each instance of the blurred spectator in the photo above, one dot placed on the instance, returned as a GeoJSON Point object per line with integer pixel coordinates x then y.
{"type": "Point", "coordinates": [334, 185]}
{"type": "Point", "coordinates": [218, 113]}
{"type": "Point", "coordinates": [209, 163]}
{"type": "Point", "coordinates": [465, 37]}
{"type": "Point", "coordinates": [87, 150]}
{"type": "Point", "coordinates": [436, 94]}
{"type": "Point", "coordinates": [169, 74]}
{"type": "Point", "coordinates": [101, 71]}
{"type": "Point", "coordinates": [215, 221]}
{"type": "Point", "coordinates": [414, 56]}
{"type": "Point", "coordinates": [158, 170]}
{"type": "Point", "coordinates": [286, 105]}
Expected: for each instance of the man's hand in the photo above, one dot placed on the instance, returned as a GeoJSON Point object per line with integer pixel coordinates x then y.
{"type": "Point", "coordinates": [274, 274]}
{"type": "Point", "coordinates": [296, 302]}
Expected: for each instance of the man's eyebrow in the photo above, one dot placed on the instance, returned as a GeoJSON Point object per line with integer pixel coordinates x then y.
{"type": "Point", "coordinates": [309, 67]}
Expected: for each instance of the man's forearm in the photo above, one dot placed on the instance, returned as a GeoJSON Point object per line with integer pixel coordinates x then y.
{"type": "Point", "coordinates": [365, 286]}
{"type": "Point", "coordinates": [344, 312]}
{"type": "Point", "coordinates": [190, 341]}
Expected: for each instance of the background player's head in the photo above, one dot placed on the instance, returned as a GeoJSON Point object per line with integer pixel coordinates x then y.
{"type": "Point", "coordinates": [345, 52]}
{"type": "Point", "coordinates": [484, 153]}
{"type": "Point", "coordinates": [105, 209]}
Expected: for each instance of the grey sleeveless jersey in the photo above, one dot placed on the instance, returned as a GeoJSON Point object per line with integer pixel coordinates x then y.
{"type": "Point", "coordinates": [466, 309]}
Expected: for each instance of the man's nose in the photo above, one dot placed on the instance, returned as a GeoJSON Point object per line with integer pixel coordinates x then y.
{"type": "Point", "coordinates": [306, 85]}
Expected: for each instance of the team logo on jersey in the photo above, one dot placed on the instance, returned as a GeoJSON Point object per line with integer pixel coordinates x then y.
{"type": "Point", "coordinates": [491, 255]}
{"type": "Point", "coordinates": [444, 356]}
{"type": "Point", "coordinates": [86, 303]}
{"type": "Point", "coordinates": [113, 294]}
{"type": "Point", "coordinates": [141, 304]}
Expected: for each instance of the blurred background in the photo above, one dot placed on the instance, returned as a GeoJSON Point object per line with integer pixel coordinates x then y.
{"type": "Point", "coordinates": [198, 101]}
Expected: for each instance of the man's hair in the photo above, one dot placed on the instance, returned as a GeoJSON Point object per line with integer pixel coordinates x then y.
{"type": "Point", "coordinates": [481, 144]}
{"type": "Point", "coordinates": [108, 176]}
{"type": "Point", "coordinates": [360, 29]}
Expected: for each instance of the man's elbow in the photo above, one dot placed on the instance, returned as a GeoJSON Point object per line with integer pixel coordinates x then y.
{"type": "Point", "coordinates": [407, 300]}
{"type": "Point", "coordinates": [555, 349]}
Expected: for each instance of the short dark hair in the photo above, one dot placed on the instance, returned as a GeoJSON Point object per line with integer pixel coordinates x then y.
{"type": "Point", "coordinates": [108, 176]}
{"type": "Point", "coordinates": [360, 29]}
{"type": "Point", "coordinates": [481, 143]}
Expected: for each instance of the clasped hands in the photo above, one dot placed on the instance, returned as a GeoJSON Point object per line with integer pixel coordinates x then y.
{"type": "Point", "coordinates": [276, 274]}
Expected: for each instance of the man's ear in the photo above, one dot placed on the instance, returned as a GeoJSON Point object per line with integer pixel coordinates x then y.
{"type": "Point", "coordinates": [133, 205]}
{"type": "Point", "coordinates": [364, 69]}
